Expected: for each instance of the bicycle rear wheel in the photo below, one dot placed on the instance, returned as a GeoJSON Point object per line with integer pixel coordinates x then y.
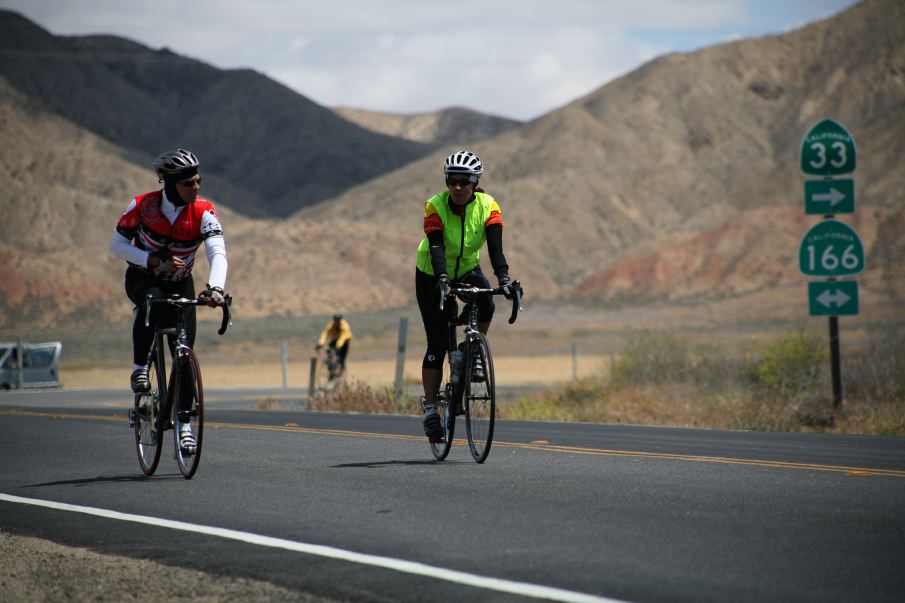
{"type": "Point", "coordinates": [446, 406]}
{"type": "Point", "coordinates": [322, 380]}
{"type": "Point", "coordinates": [146, 413]}
{"type": "Point", "coordinates": [188, 412]}
{"type": "Point", "coordinates": [480, 399]}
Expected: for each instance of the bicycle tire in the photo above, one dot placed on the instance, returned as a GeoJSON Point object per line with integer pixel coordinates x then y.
{"type": "Point", "coordinates": [193, 416]}
{"type": "Point", "coordinates": [146, 414]}
{"type": "Point", "coordinates": [480, 399]}
{"type": "Point", "coordinates": [446, 407]}
{"type": "Point", "coordinates": [322, 379]}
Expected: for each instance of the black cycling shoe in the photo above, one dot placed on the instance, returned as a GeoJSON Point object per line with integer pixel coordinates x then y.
{"type": "Point", "coordinates": [140, 382]}
{"type": "Point", "coordinates": [433, 428]}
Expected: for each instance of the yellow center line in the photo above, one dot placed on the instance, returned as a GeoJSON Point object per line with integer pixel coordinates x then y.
{"type": "Point", "coordinates": [543, 447]}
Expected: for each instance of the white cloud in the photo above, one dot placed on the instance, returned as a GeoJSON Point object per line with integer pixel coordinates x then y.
{"type": "Point", "coordinates": [518, 58]}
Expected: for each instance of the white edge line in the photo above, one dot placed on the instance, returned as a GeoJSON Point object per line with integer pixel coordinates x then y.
{"type": "Point", "coordinates": [399, 565]}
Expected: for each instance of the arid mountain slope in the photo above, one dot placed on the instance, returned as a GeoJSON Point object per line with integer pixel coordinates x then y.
{"type": "Point", "coordinates": [675, 184]}
{"type": "Point", "coordinates": [454, 127]}
{"type": "Point", "coordinates": [277, 150]}
{"type": "Point", "coordinates": [685, 144]}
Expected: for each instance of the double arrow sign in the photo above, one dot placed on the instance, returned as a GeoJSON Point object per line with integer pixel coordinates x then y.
{"type": "Point", "coordinates": [823, 197]}
{"type": "Point", "coordinates": [833, 298]}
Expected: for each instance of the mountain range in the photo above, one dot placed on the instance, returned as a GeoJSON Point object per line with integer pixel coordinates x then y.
{"type": "Point", "coordinates": [677, 183]}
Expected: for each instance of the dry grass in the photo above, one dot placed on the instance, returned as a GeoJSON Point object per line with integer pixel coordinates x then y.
{"type": "Point", "coordinates": [510, 370]}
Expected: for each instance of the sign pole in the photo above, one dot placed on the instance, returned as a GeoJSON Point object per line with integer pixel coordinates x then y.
{"type": "Point", "coordinates": [834, 361]}
{"type": "Point", "coordinates": [830, 249]}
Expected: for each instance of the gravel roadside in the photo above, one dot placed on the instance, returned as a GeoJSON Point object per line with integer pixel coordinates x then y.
{"type": "Point", "coordinates": [33, 569]}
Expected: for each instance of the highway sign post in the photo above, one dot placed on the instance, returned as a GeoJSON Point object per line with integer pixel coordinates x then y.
{"type": "Point", "coordinates": [830, 248]}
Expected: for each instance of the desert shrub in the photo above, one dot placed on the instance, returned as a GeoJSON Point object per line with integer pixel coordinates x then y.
{"type": "Point", "coordinates": [788, 366]}
{"type": "Point", "coordinates": [581, 400]}
{"type": "Point", "coordinates": [652, 357]}
{"type": "Point", "coordinates": [358, 396]}
{"type": "Point", "coordinates": [876, 372]}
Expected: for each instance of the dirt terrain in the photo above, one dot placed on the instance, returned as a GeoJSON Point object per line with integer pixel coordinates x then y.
{"type": "Point", "coordinates": [40, 570]}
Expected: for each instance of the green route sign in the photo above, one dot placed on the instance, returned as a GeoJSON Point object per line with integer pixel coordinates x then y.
{"type": "Point", "coordinates": [831, 248]}
{"type": "Point", "coordinates": [827, 150]}
{"type": "Point", "coordinates": [833, 298]}
{"type": "Point", "coordinates": [822, 197]}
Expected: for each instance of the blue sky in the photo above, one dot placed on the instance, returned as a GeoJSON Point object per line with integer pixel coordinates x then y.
{"type": "Point", "coordinates": [515, 58]}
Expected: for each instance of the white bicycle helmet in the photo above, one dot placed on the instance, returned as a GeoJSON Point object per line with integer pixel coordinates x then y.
{"type": "Point", "coordinates": [174, 162]}
{"type": "Point", "coordinates": [463, 162]}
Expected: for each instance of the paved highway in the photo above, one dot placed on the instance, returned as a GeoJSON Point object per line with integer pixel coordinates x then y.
{"type": "Point", "coordinates": [354, 507]}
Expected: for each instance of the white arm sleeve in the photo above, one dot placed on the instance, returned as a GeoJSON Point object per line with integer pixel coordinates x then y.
{"type": "Point", "coordinates": [215, 247]}
{"type": "Point", "coordinates": [122, 248]}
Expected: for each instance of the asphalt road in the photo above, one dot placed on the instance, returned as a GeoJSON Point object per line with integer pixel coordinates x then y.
{"type": "Point", "coordinates": [341, 505]}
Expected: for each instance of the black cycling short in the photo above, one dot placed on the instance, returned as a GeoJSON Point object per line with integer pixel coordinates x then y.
{"type": "Point", "coordinates": [436, 322]}
{"type": "Point", "coordinates": [138, 284]}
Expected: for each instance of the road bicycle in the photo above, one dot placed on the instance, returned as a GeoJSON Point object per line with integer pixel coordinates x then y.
{"type": "Point", "coordinates": [327, 375]}
{"type": "Point", "coordinates": [464, 389]}
{"type": "Point", "coordinates": [177, 402]}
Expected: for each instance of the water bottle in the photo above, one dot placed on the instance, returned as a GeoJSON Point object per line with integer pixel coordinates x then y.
{"type": "Point", "coordinates": [456, 358]}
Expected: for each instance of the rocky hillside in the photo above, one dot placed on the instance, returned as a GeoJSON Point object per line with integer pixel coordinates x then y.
{"type": "Point", "coordinates": [686, 147]}
{"type": "Point", "coordinates": [675, 184]}
{"type": "Point", "coordinates": [455, 127]}
{"type": "Point", "coordinates": [272, 149]}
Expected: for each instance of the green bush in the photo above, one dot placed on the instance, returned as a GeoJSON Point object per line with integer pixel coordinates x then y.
{"type": "Point", "coordinates": [652, 357]}
{"type": "Point", "coordinates": [789, 366]}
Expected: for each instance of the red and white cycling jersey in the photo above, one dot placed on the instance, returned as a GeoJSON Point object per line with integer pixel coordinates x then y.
{"type": "Point", "coordinates": [145, 224]}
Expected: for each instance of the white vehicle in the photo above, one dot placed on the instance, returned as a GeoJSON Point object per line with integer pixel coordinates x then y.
{"type": "Point", "coordinates": [40, 366]}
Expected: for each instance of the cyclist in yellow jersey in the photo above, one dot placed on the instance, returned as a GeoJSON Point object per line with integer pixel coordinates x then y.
{"type": "Point", "coordinates": [337, 335]}
{"type": "Point", "coordinates": [457, 223]}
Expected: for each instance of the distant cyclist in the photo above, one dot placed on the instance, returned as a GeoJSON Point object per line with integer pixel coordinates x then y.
{"type": "Point", "coordinates": [337, 335]}
{"type": "Point", "coordinates": [158, 236]}
{"type": "Point", "coordinates": [457, 222]}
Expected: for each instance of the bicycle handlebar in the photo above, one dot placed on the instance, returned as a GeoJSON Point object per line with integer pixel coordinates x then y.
{"type": "Point", "coordinates": [465, 292]}
{"type": "Point", "coordinates": [185, 301]}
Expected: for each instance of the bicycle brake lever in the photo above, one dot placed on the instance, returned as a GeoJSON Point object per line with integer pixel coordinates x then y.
{"type": "Point", "coordinates": [227, 314]}
{"type": "Point", "coordinates": [516, 301]}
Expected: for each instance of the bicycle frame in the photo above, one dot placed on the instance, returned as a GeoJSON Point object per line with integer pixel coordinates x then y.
{"type": "Point", "coordinates": [457, 395]}
{"type": "Point", "coordinates": [175, 401]}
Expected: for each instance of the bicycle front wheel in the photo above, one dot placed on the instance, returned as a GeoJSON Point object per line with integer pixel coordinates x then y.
{"type": "Point", "coordinates": [145, 415]}
{"type": "Point", "coordinates": [188, 414]}
{"type": "Point", "coordinates": [480, 397]}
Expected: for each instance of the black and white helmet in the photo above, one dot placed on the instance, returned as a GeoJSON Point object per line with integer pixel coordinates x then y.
{"type": "Point", "coordinates": [174, 162]}
{"type": "Point", "coordinates": [463, 162]}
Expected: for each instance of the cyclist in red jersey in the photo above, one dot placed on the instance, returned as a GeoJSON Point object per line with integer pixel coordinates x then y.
{"type": "Point", "coordinates": [158, 236]}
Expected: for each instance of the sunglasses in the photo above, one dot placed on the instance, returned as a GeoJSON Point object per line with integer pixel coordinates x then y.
{"type": "Point", "coordinates": [463, 182]}
{"type": "Point", "coordinates": [190, 183]}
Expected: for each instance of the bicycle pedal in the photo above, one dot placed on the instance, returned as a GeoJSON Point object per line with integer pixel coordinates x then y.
{"type": "Point", "coordinates": [132, 418]}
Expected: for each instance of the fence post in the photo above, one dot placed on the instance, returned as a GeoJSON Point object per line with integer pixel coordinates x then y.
{"type": "Point", "coordinates": [284, 361]}
{"type": "Point", "coordinates": [574, 361]}
{"type": "Point", "coordinates": [312, 374]}
{"type": "Point", "coordinates": [400, 358]}
{"type": "Point", "coordinates": [20, 364]}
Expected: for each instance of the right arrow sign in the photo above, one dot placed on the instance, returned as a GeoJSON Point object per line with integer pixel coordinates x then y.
{"type": "Point", "coordinates": [822, 197]}
{"type": "Point", "coordinates": [833, 298]}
